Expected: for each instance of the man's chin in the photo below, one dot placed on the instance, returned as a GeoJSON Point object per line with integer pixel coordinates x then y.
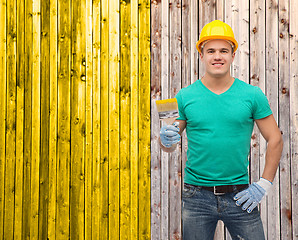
{"type": "Point", "coordinates": [218, 75]}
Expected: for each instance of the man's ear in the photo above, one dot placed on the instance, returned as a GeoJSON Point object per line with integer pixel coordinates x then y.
{"type": "Point", "coordinates": [233, 55]}
{"type": "Point", "coordinates": [201, 55]}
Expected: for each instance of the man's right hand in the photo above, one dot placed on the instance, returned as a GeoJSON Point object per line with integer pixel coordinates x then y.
{"type": "Point", "coordinates": [169, 135]}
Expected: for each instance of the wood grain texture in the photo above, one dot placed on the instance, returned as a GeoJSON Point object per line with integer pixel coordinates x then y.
{"type": "Point", "coordinates": [3, 84]}
{"type": "Point", "coordinates": [175, 35]}
{"type": "Point", "coordinates": [53, 117]}
{"type": "Point", "coordinates": [164, 178]}
{"type": "Point", "coordinates": [36, 84]}
{"type": "Point", "coordinates": [104, 122]}
{"type": "Point", "coordinates": [134, 123]}
{"type": "Point", "coordinates": [114, 121]}
{"type": "Point", "coordinates": [293, 24]}
{"type": "Point", "coordinates": [10, 148]}
{"type": "Point", "coordinates": [63, 117]}
{"type": "Point", "coordinates": [27, 120]}
{"type": "Point", "coordinates": [44, 118]}
{"type": "Point", "coordinates": [78, 120]}
{"type": "Point", "coordinates": [144, 119]}
{"type": "Point", "coordinates": [125, 95]}
{"type": "Point", "coordinates": [89, 123]}
{"type": "Point", "coordinates": [284, 122]}
{"type": "Point", "coordinates": [19, 121]}
{"type": "Point", "coordinates": [156, 31]}
{"type": "Point", "coordinates": [272, 94]}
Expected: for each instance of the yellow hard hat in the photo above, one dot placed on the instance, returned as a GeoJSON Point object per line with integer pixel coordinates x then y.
{"type": "Point", "coordinates": [216, 30]}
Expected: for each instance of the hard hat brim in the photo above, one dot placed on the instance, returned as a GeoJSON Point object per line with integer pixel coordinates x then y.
{"type": "Point", "coordinates": [203, 39]}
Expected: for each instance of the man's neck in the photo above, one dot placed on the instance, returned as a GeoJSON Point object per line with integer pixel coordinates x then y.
{"type": "Point", "coordinates": [217, 84]}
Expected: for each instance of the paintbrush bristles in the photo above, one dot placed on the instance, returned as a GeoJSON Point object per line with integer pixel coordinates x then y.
{"type": "Point", "coordinates": [167, 105]}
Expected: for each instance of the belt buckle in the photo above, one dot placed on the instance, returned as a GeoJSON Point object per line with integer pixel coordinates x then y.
{"type": "Point", "coordinates": [217, 193]}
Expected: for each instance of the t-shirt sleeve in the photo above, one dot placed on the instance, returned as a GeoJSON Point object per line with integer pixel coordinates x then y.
{"type": "Point", "coordinates": [180, 106]}
{"type": "Point", "coordinates": [261, 107]}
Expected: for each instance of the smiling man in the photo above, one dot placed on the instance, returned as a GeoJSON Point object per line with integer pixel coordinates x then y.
{"type": "Point", "coordinates": [218, 113]}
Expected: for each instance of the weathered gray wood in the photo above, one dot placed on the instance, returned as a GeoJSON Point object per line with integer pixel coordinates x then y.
{"type": "Point", "coordinates": [187, 65]}
{"type": "Point", "coordinates": [273, 218]}
{"type": "Point", "coordinates": [164, 87]}
{"type": "Point", "coordinates": [174, 87]}
{"type": "Point", "coordinates": [257, 78]}
{"type": "Point", "coordinates": [207, 11]}
{"type": "Point", "coordinates": [262, 59]}
{"type": "Point", "coordinates": [155, 123]}
{"type": "Point", "coordinates": [237, 16]}
{"type": "Point", "coordinates": [294, 113]}
{"type": "Point", "coordinates": [284, 120]}
{"type": "Point", "coordinates": [194, 37]}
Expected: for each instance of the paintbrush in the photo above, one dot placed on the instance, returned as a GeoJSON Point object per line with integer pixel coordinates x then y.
{"type": "Point", "coordinates": [167, 110]}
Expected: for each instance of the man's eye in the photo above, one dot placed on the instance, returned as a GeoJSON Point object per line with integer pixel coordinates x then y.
{"type": "Point", "coordinates": [224, 51]}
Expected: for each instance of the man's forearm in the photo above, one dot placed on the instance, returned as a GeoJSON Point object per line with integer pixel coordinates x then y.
{"type": "Point", "coordinates": [273, 155]}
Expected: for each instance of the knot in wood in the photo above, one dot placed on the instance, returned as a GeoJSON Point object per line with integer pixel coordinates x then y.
{"type": "Point", "coordinates": [284, 91]}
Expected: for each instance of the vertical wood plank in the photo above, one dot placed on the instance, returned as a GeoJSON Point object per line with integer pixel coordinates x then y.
{"type": "Point", "coordinates": [3, 84]}
{"type": "Point", "coordinates": [294, 113]}
{"type": "Point", "coordinates": [10, 149]}
{"type": "Point", "coordinates": [134, 131]}
{"type": "Point", "coordinates": [164, 95]}
{"type": "Point", "coordinates": [78, 119]}
{"type": "Point", "coordinates": [189, 71]}
{"type": "Point", "coordinates": [174, 87]}
{"type": "Point", "coordinates": [125, 92]}
{"type": "Point", "coordinates": [284, 120]}
{"type": "Point", "coordinates": [19, 121]}
{"type": "Point", "coordinates": [194, 37]}
{"type": "Point", "coordinates": [53, 116]}
{"type": "Point", "coordinates": [207, 13]}
{"type": "Point", "coordinates": [237, 16]}
{"type": "Point", "coordinates": [144, 119]}
{"type": "Point", "coordinates": [219, 231]}
{"type": "Point", "coordinates": [257, 78]}
{"type": "Point", "coordinates": [35, 120]}
{"type": "Point", "coordinates": [44, 118]}
{"type": "Point", "coordinates": [155, 123]}
{"type": "Point", "coordinates": [63, 146]}
{"type": "Point", "coordinates": [104, 123]}
{"type": "Point", "coordinates": [28, 119]}
{"type": "Point", "coordinates": [89, 124]}
{"type": "Point", "coordinates": [221, 9]}
{"type": "Point", "coordinates": [114, 58]}
{"type": "Point", "coordinates": [272, 94]}
{"type": "Point", "coordinates": [96, 124]}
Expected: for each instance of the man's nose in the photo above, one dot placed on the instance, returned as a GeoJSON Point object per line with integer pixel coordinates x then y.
{"type": "Point", "coordinates": [217, 55]}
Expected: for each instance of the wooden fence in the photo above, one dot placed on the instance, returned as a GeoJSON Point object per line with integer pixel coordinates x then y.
{"type": "Point", "coordinates": [267, 33]}
{"type": "Point", "coordinates": [76, 117]}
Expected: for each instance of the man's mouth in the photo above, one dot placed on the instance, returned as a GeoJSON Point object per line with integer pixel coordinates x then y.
{"type": "Point", "coordinates": [217, 64]}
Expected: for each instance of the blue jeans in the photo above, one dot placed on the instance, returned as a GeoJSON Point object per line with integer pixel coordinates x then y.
{"type": "Point", "coordinates": [201, 210]}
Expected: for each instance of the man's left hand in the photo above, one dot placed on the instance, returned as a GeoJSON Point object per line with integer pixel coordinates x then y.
{"type": "Point", "coordinates": [253, 195]}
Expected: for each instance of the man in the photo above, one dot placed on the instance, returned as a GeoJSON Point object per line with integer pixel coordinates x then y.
{"type": "Point", "coordinates": [218, 113]}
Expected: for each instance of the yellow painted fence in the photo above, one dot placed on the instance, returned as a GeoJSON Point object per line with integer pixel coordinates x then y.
{"type": "Point", "coordinates": [74, 119]}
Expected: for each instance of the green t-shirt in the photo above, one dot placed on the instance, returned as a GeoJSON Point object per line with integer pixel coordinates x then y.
{"type": "Point", "coordinates": [219, 129]}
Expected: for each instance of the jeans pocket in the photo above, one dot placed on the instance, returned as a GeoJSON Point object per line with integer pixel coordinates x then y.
{"type": "Point", "coordinates": [188, 191]}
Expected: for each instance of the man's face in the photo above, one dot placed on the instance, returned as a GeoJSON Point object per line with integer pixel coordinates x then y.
{"type": "Point", "coordinates": [217, 57]}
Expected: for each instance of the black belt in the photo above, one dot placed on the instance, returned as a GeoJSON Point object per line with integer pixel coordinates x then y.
{"type": "Point", "coordinates": [219, 190]}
